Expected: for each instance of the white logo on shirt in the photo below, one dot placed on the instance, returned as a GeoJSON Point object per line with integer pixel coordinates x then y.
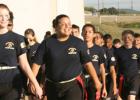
{"type": "Point", "coordinates": [134, 56]}
{"type": "Point", "coordinates": [112, 58]}
{"type": "Point", "coordinates": [9, 45]}
{"type": "Point", "coordinates": [95, 58]}
{"type": "Point", "coordinates": [72, 51]}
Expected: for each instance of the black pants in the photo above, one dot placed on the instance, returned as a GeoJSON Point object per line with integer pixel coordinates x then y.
{"type": "Point", "coordinates": [10, 84]}
{"type": "Point", "coordinates": [66, 91]}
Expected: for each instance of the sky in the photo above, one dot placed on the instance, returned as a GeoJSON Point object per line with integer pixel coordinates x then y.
{"type": "Point", "coordinates": [114, 3]}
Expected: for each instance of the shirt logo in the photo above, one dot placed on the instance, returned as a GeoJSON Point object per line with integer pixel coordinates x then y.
{"type": "Point", "coordinates": [72, 51]}
{"type": "Point", "coordinates": [134, 56]}
{"type": "Point", "coordinates": [95, 58]}
{"type": "Point", "coordinates": [9, 45]}
{"type": "Point", "coordinates": [112, 58]}
{"type": "Point", "coordinates": [22, 45]}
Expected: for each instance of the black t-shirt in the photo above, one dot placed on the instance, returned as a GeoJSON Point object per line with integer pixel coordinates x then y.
{"type": "Point", "coordinates": [127, 60]}
{"type": "Point", "coordinates": [31, 52]}
{"type": "Point", "coordinates": [12, 46]}
{"type": "Point", "coordinates": [63, 60]}
{"type": "Point", "coordinates": [110, 58]}
{"type": "Point", "coordinates": [97, 56]}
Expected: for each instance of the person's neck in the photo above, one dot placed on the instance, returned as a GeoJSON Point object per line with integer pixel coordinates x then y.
{"type": "Point", "coordinates": [3, 30]}
{"type": "Point", "coordinates": [90, 44]}
{"type": "Point", "coordinates": [62, 38]}
{"type": "Point", "coordinates": [32, 43]}
{"type": "Point", "coordinates": [137, 46]}
{"type": "Point", "coordinates": [128, 46]}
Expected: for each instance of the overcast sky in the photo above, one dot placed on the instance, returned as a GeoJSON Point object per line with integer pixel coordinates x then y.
{"type": "Point", "coordinates": [114, 3]}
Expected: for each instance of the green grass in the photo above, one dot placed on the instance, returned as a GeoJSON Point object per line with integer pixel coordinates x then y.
{"type": "Point", "coordinates": [109, 24]}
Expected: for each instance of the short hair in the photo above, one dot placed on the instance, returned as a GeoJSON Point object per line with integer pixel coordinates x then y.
{"type": "Point", "coordinates": [56, 20]}
{"type": "Point", "coordinates": [126, 32]}
{"type": "Point", "coordinates": [101, 34]}
{"type": "Point", "coordinates": [115, 41]}
{"type": "Point", "coordinates": [11, 16]}
{"type": "Point", "coordinates": [75, 26]}
{"type": "Point", "coordinates": [107, 36]}
{"type": "Point", "coordinates": [89, 25]}
{"type": "Point", "coordinates": [137, 35]}
{"type": "Point", "coordinates": [29, 31]}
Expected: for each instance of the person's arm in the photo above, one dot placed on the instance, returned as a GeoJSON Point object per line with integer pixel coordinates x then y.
{"type": "Point", "coordinates": [90, 69]}
{"type": "Point", "coordinates": [113, 75]}
{"type": "Point", "coordinates": [103, 76]}
{"type": "Point", "coordinates": [27, 70]}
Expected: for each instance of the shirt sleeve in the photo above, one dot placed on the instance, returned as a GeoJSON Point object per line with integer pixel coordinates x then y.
{"type": "Point", "coordinates": [102, 56]}
{"type": "Point", "coordinates": [39, 57]}
{"type": "Point", "coordinates": [112, 59]}
{"type": "Point", "coordinates": [84, 56]}
{"type": "Point", "coordinates": [20, 46]}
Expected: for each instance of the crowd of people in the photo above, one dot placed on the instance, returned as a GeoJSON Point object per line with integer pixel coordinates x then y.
{"type": "Point", "coordinates": [65, 66]}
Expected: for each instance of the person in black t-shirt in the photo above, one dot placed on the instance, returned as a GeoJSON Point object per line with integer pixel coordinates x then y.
{"type": "Point", "coordinates": [137, 45]}
{"type": "Point", "coordinates": [63, 56]}
{"type": "Point", "coordinates": [97, 55]}
{"type": "Point", "coordinates": [12, 53]}
{"type": "Point", "coordinates": [110, 64]}
{"type": "Point", "coordinates": [127, 59]}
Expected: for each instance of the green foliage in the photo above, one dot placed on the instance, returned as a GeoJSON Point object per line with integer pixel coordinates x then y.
{"type": "Point", "coordinates": [91, 9]}
{"type": "Point", "coordinates": [109, 11]}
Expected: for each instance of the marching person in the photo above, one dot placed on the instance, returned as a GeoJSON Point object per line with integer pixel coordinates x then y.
{"type": "Point", "coordinates": [64, 55]}
{"type": "Point", "coordinates": [127, 59]}
{"type": "Point", "coordinates": [12, 53]}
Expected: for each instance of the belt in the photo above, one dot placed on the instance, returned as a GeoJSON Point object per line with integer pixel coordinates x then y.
{"type": "Point", "coordinates": [7, 67]}
{"type": "Point", "coordinates": [62, 82]}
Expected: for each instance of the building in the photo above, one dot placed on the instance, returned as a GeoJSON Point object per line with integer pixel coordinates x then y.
{"type": "Point", "coordinates": [38, 14]}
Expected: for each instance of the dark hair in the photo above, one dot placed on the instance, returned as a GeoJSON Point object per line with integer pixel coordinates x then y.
{"type": "Point", "coordinates": [107, 36]}
{"type": "Point", "coordinates": [137, 35]}
{"type": "Point", "coordinates": [101, 34]}
{"type": "Point", "coordinates": [126, 32]}
{"type": "Point", "coordinates": [89, 25]}
{"type": "Point", "coordinates": [75, 26]}
{"type": "Point", "coordinates": [29, 31]}
{"type": "Point", "coordinates": [56, 20]}
{"type": "Point", "coordinates": [115, 41]}
{"type": "Point", "coordinates": [48, 34]}
{"type": "Point", "coordinates": [11, 16]}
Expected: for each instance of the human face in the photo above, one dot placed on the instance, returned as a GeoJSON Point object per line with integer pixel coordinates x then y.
{"type": "Point", "coordinates": [108, 43]}
{"type": "Point", "coordinates": [98, 39]}
{"type": "Point", "coordinates": [4, 17]}
{"type": "Point", "coordinates": [75, 32]}
{"type": "Point", "coordinates": [128, 40]}
{"type": "Point", "coordinates": [88, 34]}
{"type": "Point", "coordinates": [30, 38]}
{"type": "Point", "coordinates": [10, 26]}
{"type": "Point", "coordinates": [137, 42]}
{"type": "Point", "coordinates": [64, 27]}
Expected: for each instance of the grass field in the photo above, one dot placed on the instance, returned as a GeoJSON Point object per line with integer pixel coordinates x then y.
{"type": "Point", "coordinates": [113, 24]}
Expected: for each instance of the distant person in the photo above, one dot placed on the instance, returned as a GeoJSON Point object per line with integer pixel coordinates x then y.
{"type": "Point", "coordinates": [75, 31]}
{"type": "Point", "coordinates": [137, 45]}
{"type": "Point", "coordinates": [99, 39]}
{"type": "Point", "coordinates": [10, 24]}
{"type": "Point", "coordinates": [110, 64]}
{"type": "Point", "coordinates": [117, 43]}
{"type": "Point", "coordinates": [47, 34]}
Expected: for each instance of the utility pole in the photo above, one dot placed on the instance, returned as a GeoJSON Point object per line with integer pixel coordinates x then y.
{"type": "Point", "coordinates": [118, 7]}
{"type": "Point", "coordinates": [131, 4]}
